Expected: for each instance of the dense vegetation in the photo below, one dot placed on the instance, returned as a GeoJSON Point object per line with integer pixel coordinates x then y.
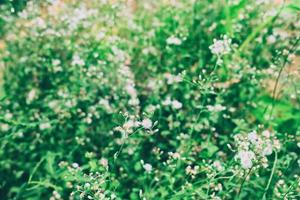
{"type": "Point", "coordinates": [189, 99]}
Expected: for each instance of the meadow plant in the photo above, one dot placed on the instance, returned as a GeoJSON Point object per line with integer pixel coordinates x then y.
{"type": "Point", "coordinates": [188, 99]}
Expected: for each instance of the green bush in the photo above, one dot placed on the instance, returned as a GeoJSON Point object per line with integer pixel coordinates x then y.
{"type": "Point", "coordinates": [171, 100]}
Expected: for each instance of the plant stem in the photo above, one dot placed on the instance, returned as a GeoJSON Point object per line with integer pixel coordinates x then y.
{"type": "Point", "coordinates": [271, 176]}
{"type": "Point", "coordinates": [242, 184]}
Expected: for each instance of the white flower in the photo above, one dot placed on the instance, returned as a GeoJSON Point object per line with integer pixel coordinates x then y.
{"type": "Point", "coordinates": [45, 125]}
{"type": "Point", "coordinates": [129, 125]}
{"type": "Point", "coordinates": [252, 137]}
{"type": "Point", "coordinates": [147, 123]}
{"type": "Point", "coordinates": [4, 127]}
{"type": "Point", "coordinates": [147, 167]}
{"type": "Point", "coordinates": [75, 165]}
{"type": "Point", "coordinates": [8, 116]}
{"type": "Point", "coordinates": [104, 162]}
{"type": "Point", "coordinates": [77, 60]}
{"type": "Point", "coordinates": [217, 164]}
{"type": "Point", "coordinates": [173, 40]}
{"type": "Point", "coordinates": [167, 101]}
{"type": "Point", "coordinates": [267, 150]}
{"type": "Point", "coordinates": [271, 39]}
{"type": "Point", "coordinates": [176, 104]}
{"type": "Point", "coordinates": [172, 78]}
{"type": "Point", "coordinates": [266, 133]}
{"type": "Point", "coordinates": [246, 158]}
{"type": "Point", "coordinates": [31, 95]}
{"type": "Point", "coordinates": [130, 90]}
{"type": "Point", "coordinates": [221, 47]}
{"type": "Point", "coordinates": [56, 62]}
{"type": "Point", "coordinates": [216, 108]}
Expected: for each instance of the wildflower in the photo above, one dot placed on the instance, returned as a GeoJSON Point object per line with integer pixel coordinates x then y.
{"type": "Point", "coordinates": [191, 171]}
{"type": "Point", "coordinates": [147, 123]}
{"type": "Point", "coordinates": [104, 162]}
{"type": "Point", "coordinates": [8, 116]}
{"type": "Point", "coordinates": [216, 108]}
{"type": "Point", "coordinates": [167, 101]}
{"type": "Point", "coordinates": [31, 96]}
{"type": "Point", "coordinates": [176, 104]}
{"type": "Point", "coordinates": [77, 60]}
{"type": "Point", "coordinates": [173, 41]}
{"type": "Point", "coordinates": [271, 39]}
{"type": "Point", "coordinates": [266, 133]}
{"type": "Point", "coordinates": [246, 158]}
{"type": "Point", "coordinates": [221, 47]}
{"type": "Point", "coordinates": [87, 185]}
{"type": "Point", "coordinates": [217, 164]}
{"type": "Point", "coordinates": [44, 126]}
{"type": "Point", "coordinates": [4, 127]}
{"type": "Point", "coordinates": [252, 137]}
{"type": "Point", "coordinates": [172, 78]}
{"type": "Point", "coordinates": [55, 62]}
{"type": "Point", "coordinates": [267, 150]}
{"type": "Point", "coordinates": [175, 155]}
{"type": "Point", "coordinates": [147, 167]}
{"type": "Point", "coordinates": [75, 165]}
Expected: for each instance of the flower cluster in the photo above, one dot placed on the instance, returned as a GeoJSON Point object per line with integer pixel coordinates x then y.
{"type": "Point", "coordinates": [221, 47]}
{"type": "Point", "coordinates": [254, 148]}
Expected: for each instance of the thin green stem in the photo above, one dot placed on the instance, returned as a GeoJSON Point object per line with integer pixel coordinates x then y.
{"type": "Point", "coordinates": [242, 184]}
{"type": "Point", "coordinates": [271, 176]}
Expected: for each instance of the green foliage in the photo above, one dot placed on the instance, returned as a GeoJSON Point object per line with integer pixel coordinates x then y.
{"type": "Point", "coordinates": [170, 100]}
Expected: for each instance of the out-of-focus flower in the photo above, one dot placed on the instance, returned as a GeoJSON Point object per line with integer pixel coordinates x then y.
{"type": "Point", "coordinates": [147, 167]}
{"type": "Point", "coordinates": [174, 41]}
{"type": "Point", "coordinates": [246, 158]}
{"type": "Point", "coordinates": [147, 123]}
{"type": "Point", "coordinates": [221, 47]}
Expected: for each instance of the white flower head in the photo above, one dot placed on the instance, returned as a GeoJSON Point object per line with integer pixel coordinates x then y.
{"type": "Point", "coordinates": [267, 150]}
{"type": "Point", "coordinates": [176, 104]}
{"type": "Point", "coordinates": [252, 137]}
{"type": "Point", "coordinates": [45, 125]}
{"type": "Point", "coordinates": [173, 41]}
{"type": "Point", "coordinates": [147, 167]}
{"type": "Point", "coordinates": [221, 47]}
{"type": "Point", "coordinates": [147, 123]}
{"type": "Point", "coordinates": [217, 164]}
{"type": "Point", "coordinates": [31, 96]}
{"type": "Point", "coordinates": [246, 158]}
{"type": "Point", "coordinates": [266, 133]}
{"type": "Point", "coordinates": [104, 162]}
{"type": "Point", "coordinates": [76, 60]}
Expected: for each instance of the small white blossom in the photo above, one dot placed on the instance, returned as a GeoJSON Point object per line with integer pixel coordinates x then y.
{"type": "Point", "coordinates": [176, 104]}
{"type": "Point", "coordinates": [104, 162]}
{"type": "Point", "coordinates": [31, 96]}
{"type": "Point", "coordinates": [217, 164]}
{"type": "Point", "coordinates": [77, 61]}
{"type": "Point", "coordinates": [44, 126]}
{"type": "Point", "coordinates": [267, 150]}
{"type": "Point", "coordinates": [252, 137]}
{"type": "Point", "coordinates": [221, 47]}
{"type": "Point", "coordinates": [75, 165]}
{"type": "Point", "coordinates": [147, 167]}
{"type": "Point", "coordinates": [246, 158]}
{"type": "Point", "coordinates": [271, 39]}
{"type": "Point", "coordinates": [4, 127]}
{"type": "Point", "coordinates": [216, 108]}
{"type": "Point", "coordinates": [147, 123]}
{"type": "Point", "coordinates": [266, 133]}
{"type": "Point", "coordinates": [173, 41]}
